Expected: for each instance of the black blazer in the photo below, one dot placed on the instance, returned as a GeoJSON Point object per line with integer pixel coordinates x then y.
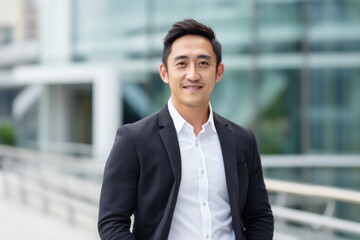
{"type": "Point", "coordinates": [143, 173]}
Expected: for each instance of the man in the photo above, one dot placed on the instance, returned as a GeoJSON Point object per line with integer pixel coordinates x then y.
{"type": "Point", "coordinates": [186, 172]}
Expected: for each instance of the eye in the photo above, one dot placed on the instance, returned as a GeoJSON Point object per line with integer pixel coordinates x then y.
{"type": "Point", "coordinates": [180, 64]}
{"type": "Point", "coordinates": [204, 63]}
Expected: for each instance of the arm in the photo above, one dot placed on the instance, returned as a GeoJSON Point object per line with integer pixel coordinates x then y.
{"type": "Point", "coordinates": [119, 188]}
{"type": "Point", "coordinates": [258, 218]}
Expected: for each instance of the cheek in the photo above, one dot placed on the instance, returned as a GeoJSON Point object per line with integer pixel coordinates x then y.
{"type": "Point", "coordinates": [211, 85]}
{"type": "Point", "coordinates": [173, 84]}
{"type": "Point", "coordinates": [174, 79]}
{"type": "Point", "coordinates": [176, 75]}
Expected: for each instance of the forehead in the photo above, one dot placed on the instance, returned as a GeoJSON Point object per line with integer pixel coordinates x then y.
{"type": "Point", "coordinates": [191, 45]}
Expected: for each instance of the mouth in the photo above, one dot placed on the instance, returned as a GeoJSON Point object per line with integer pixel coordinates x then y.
{"type": "Point", "coordinates": [192, 87]}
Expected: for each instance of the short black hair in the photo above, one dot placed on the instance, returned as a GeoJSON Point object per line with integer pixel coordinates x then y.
{"type": "Point", "coordinates": [190, 27]}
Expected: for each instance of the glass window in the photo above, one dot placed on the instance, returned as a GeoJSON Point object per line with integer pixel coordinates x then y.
{"type": "Point", "coordinates": [335, 11]}
{"type": "Point", "coordinates": [335, 114]}
{"type": "Point", "coordinates": [339, 45]}
{"type": "Point", "coordinates": [279, 26]}
{"type": "Point", "coordinates": [232, 97]}
{"type": "Point", "coordinates": [278, 124]}
{"type": "Point", "coordinates": [334, 25]}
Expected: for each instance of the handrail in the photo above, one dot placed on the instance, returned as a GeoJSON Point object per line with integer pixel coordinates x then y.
{"type": "Point", "coordinates": [312, 219]}
{"type": "Point", "coordinates": [74, 164]}
{"type": "Point", "coordinates": [311, 160]}
{"type": "Point", "coordinates": [29, 154]}
{"type": "Point", "coordinates": [80, 149]}
{"type": "Point", "coordinates": [331, 194]}
{"type": "Point", "coordinates": [313, 191]}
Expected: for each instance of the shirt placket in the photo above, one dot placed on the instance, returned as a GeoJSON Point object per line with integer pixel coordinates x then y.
{"type": "Point", "coordinates": [203, 190]}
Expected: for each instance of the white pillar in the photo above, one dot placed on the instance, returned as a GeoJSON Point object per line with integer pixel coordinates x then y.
{"type": "Point", "coordinates": [55, 39]}
{"type": "Point", "coordinates": [55, 30]}
{"type": "Point", "coordinates": [107, 110]}
{"type": "Point", "coordinates": [44, 119]}
{"type": "Point", "coordinates": [59, 113]}
{"type": "Point", "coordinates": [53, 116]}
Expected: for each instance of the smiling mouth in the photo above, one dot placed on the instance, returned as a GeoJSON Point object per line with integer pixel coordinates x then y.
{"type": "Point", "coordinates": [192, 87]}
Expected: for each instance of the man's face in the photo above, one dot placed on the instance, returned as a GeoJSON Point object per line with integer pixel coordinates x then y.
{"type": "Point", "coordinates": [191, 72]}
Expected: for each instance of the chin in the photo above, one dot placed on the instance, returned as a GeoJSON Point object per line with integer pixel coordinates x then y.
{"type": "Point", "coordinates": [194, 104]}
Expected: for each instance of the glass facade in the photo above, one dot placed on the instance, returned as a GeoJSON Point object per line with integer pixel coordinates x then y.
{"type": "Point", "coordinates": [334, 113]}
{"type": "Point", "coordinates": [289, 73]}
{"type": "Point", "coordinates": [292, 72]}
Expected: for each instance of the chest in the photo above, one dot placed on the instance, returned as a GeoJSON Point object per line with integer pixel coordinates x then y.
{"type": "Point", "coordinates": [202, 166]}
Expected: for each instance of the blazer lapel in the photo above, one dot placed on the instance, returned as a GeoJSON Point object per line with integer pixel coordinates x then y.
{"type": "Point", "coordinates": [169, 137]}
{"type": "Point", "coordinates": [228, 147]}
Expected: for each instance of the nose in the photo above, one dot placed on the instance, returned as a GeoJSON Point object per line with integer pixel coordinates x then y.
{"type": "Point", "coordinates": [192, 74]}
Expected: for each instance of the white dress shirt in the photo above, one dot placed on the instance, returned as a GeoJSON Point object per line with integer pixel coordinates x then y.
{"type": "Point", "coordinates": [202, 209]}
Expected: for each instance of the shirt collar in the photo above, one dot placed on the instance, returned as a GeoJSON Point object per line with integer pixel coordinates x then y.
{"type": "Point", "coordinates": [179, 121]}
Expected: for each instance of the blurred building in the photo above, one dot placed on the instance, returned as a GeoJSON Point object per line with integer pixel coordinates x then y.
{"type": "Point", "coordinates": [72, 71]}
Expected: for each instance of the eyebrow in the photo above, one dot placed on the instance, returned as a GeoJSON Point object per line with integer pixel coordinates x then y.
{"type": "Point", "coordinates": [208, 57]}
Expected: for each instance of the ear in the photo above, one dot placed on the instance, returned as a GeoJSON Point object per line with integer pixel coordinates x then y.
{"type": "Point", "coordinates": [163, 73]}
{"type": "Point", "coordinates": [220, 72]}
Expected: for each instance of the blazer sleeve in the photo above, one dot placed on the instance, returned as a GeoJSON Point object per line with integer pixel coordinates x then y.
{"type": "Point", "coordinates": [119, 189]}
{"type": "Point", "coordinates": [257, 216]}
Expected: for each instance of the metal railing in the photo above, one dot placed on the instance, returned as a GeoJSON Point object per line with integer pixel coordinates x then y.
{"type": "Point", "coordinates": [324, 220]}
{"type": "Point", "coordinates": [59, 185]}
{"type": "Point", "coordinates": [70, 187]}
{"type": "Point", "coordinates": [311, 160]}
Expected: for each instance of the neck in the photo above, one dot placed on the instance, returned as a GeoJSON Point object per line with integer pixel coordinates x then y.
{"type": "Point", "coordinates": [196, 116]}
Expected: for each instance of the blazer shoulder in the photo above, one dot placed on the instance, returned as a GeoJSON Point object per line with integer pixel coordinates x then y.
{"type": "Point", "coordinates": [151, 123]}
{"type": "Point", "coordinates": [145, 123]}
{"type": "Point", "coordinates": [237, 129]}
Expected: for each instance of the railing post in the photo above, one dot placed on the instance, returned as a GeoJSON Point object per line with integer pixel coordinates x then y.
{"type": "Point", "coordinates": [44, 195]}
{"type": "Point", "coordinates": [329, 211]}
{"type": "Point", "coordinates": [5, 163]}
{"type": "Point", "coordinates": [22, 181]}
{"type": "Point", "coordinates": [330, 208]}
{"type": "Point", "coordinates": [68, 204]}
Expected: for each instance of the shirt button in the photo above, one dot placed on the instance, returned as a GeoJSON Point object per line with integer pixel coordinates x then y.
{"type": "Point", "coordinates": [196, 144]}
{"type": "Point", "coordinates": [204, 203]}
{"type": "Point", "coordinates": [202, 171]}
{"type": "Point", "coordinates": [207, 236]}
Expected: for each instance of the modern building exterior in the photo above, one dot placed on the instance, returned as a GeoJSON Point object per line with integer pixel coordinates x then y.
{"type": "Point", "coordinates": [72, 71]}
